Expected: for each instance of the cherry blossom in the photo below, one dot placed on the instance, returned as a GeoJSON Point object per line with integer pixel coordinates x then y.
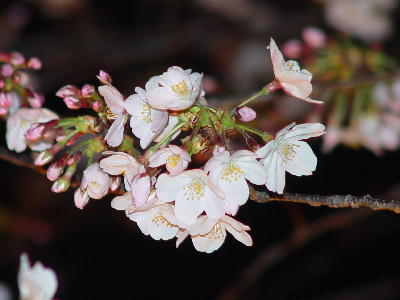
{"type": "Point", "coordinates": [118, 163]}
{"type": "Point", "coordinates": [288, 153]}
{"type": "Point", "coordinates": [175, 159]}
{"type": "Point", "coordinates": [146, 122]}
{"type": "Point", "coordinates": [172, 121]}
{"type": "Point", "coordinates": [36, 282]}
{"type": "Point", "coordinates": [229, 173]}
{"type": "Point", "coordinates": [116, 112]}
{"type": "Point", "coordinates": [95, 184]}
{"type": "Point", "coordinates": [209, 234]}
{"type": "Point", "coordinates": [19, 123]}
{"type": "Point", "coordinates": [193, 193]}
{"type": "Point", "coordinates": [289, 77]}
{"type": "Point", "coordinates": [177, 90]}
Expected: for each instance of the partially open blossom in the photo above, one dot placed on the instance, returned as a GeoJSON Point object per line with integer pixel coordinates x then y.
{"type": "Point", "coordinates": [193, 193]}
{"type": "Point", "coordinates": [121, 163]}
{"type": "Point", "coordinates": [245, 114]}
{"type": "Point", "coordinates": [288, 76]}
{"type": "Point", "coordinates": [173, 157]}
{"type": "Point", "coordinates": [104, 77]}
{"type": "Point", "coordinates": [177, 90]}
{"type": "Point", "coordinates": [288, 153]}
{"type": "Point", "coordinates": [68, 90]}
{"type": "Point", "coordinates": [20, 122]}
{"type": "Point", "coordinates": [155, 218]}
{"type": "Point", "coordinates": [36, 282]}
{"type": "Point", "coordinates": [117, 113]}
{"type": "Point", "coordinates": [56, 168]}
{"type": "Point", "coordinates": [140, 189]}
{"type": "Point", "coordinates": [209, 234]}
{"type": "Point", "coordinates": [146, 122]}
{"type": "Point", "coordinates": [95, 184]}
{"type": "Point", "coordinates": [229, 173]}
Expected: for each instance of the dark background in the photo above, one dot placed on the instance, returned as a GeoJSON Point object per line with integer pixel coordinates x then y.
{"type": "Point", "coordinates": [98, 253]}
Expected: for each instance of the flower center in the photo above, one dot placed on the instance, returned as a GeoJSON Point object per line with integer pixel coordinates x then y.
{"type": "Point", "coordinates": [215, 233]}
{"type": "Point", "coordinates": [159, 220]}
{"type": "Point", "coordinates": [292, 65]}
{"type": "Point", "coordinates": [231, 172]}
{"type": "Point", "coordinates": [287, 151]}
{"type": "Point", "coordinates": [173, 160]}
{"type": "Point", "coordinates": [181, 89]}
{"type": "Point", "coordinates": [110, 115]}
{"type": "Point", "coordinates": [146, 113]}
{"type": "Point", "coordinates": [194, 190]}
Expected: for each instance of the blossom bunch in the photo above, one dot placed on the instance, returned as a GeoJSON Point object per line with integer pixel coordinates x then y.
{"type": "Point", "coordinates": [172, 161]}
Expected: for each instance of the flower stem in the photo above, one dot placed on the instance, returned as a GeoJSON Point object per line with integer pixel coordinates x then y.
{"type": "Point", "coordinates": [265, 136]}
{"type": "Point", "coordinates": [261, 92]}
{"type": "Point", "coordinates": [166, 138]}
{"type": "Point", "coordinates": [68, 137]}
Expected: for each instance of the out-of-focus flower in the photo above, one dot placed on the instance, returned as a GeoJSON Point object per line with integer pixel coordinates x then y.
{"type": "Point", "coordinates": [177, 90]}
{"type": "Point", "coordinates": [175, 159]}
{"type": "Point", "coordinates": [209, 234]}
{"type": "Point", "coordinates": [95, 184]}
{"type": "Point", "coordinates": [292, 48]}
{"type": "Point", "coordinates": [20, 122]}
{"type": "Point", "coordinates": [118, 163]}
{"type": "Point", "coordinates": [314, 37]}
{"type": "Point", "coordinates": [294, 81]}
{"type": "Point", "coordinates": [5, 292]}
{"type": "Point", "coordinates": [146, 122]}
{"type": "Point", "coordinates": [351, 16]}
{"type": "Point", "coordinates": [37, 282]}
{"type": "Point", "coordinates": [288, 153]}
{"type": "Point", "coordinates": [193, 193]}
{"type": "Point", "coordinates": [229, 173]}
{"type": "Point", "coordinates": [115, 104]}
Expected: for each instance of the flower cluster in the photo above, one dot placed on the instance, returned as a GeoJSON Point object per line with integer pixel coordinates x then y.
{"type": "Point", "coordinates": [192, 187]}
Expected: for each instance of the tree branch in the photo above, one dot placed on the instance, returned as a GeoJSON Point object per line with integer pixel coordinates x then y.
{"type": "Point", "coordinates": [334, 201]}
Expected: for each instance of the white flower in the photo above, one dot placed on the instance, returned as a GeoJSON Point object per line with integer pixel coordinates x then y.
{"type": "Point", "coordinates": [177, 90]}
{"type": "Point", "coordinates": [146, 122]}
{"type": "Point", "coordinates": [37, 282]}
{"type": "Point", "coordinates": [172, 121]}
{"type": "Point", "coordinates": [175, 159]}
{"type": "Point", "coordinates": [288, 153]}
{"type": "Point", "coordinates": [119, 163]}
{"type": "Point", "coordinates": [19, 123]}
{"type": "Point", "coordinates": [193, 193]}
{"type": "Point", "coordinates": [115, 104]}
{"type": "Point", "coordinates": [95, 184]}
{"type": "Point", "coordinates": [229, 173]}
{"type": "Point", "coordinates": [294, 82]}
{"type": "Point", "coordinates": [155, 218]}
{"type": "Point", "coordinates": [209, 234]}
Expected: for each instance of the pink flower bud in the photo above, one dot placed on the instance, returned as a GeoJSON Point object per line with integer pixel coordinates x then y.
{"type": "Point", "coordinates": [17, 58]}
{"type": "Point", "coordinates": [246, 114]}
{"type": "Point", "coordinates": [43, 158]}
{"type": "Point", "coordinates": [314, 37]}
{"type": "Point", "coordinates": [61, 185]}
{"type": "Point", "coordinates": [68, 90]}
{"type": "Point", "coordinates": [72, 102]}
{"type": "Point", "coordinates": [73, 140]}
{"type": "Point", "coordinates": [1, 83]}
{"type": "Point", "coordinates": [36, 100]}
{"type": "Point", "coordinates": [81, 198]}
{"type": "Point", "coordinates": [74, 158]}
{"type": "Point", "coordinates": [35, 132]}
{"type": "Point", "coordinates": [104, 77]}
{"type": "Point", "coordinates": [87, 89]}
{"type": "Point", "coordinates": [292, 48]}
{"type": "Point", "coordinates": [96, 106]}
{"type": "Point", "coordinates": [7, 70]}
{"type": "Point", "coordinates": [34, 63]}
{"type": "Point", "coordinates": [5, 100]}
{"type": "Point", "coordinates": [54, 171]}
{"type": "Point", "coordinates": [115, 183]}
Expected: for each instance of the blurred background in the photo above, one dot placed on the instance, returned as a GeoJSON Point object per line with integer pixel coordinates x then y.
{"type": "Point", "coordinates": [299, 252]}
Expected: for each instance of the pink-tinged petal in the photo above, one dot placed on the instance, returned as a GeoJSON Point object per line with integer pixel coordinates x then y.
{"type": "Point", "coordinates": [181, 236]}
{"type": "Point", "coordinates": [241, 236]}
{"type": "Point", "coordinates": [172, 121]}
{"type": "Point", "coordinates": [167, 187]}
{"type": "Point", "coordinates": [304, 162]}
{"type": "Point", "coordinates": [160, 98]}
{"type": "Point", "coordinates": [213, 205]}
{"type": "Point", "coordinates": [236, 194]}
{"type": "Point", "coordinates": [187, 210]}
{"type": "Point", "coordinates": [270, 165]}
{"type": "Point", "coordinates": [209, 242]}
{"type": "Point", "coordinates": [243, 155]}
{"type": "Point", "coordinates": [141, 93]}
{"type": "Point", "coordinates": [113, 98]}
{"type": "Point", "coordinates": [305, 131]}
{"type": "Point", "coordinates": [285, 130]}
{"type": "Point", "coordinates": [140, 186]}
{"type": "Point", "coordinates": [81, 198]}
{"type": "Point", "coordinates": [117, 162]}
{"type": "Point", "coordinates": [202, 226]}
{"type": "Point", "coordinates": [159, 158]}
{"type": "Point", "coordinates": [159, 119]}
{"type": "Point", "coordinates": [152, 83]}
{"type": "Point", "coordinates": [278, 62]}
{"type": "Point", "coordinates": [300, 88]}
{"type": "Point", "coordinates": [173, 76]}
{"type": "Point", "coordinates": [122, 202]}
{"type": "Point", "coordinates": [265, 151]}
{"type": "Point", "coordinates": [133, 105]}
{"type": "Point", "coordinates": [253, 171]}
{"type": "Point", "coordinates": [280, 176]}
{"type": "Point", "coordinates": [115, 133]}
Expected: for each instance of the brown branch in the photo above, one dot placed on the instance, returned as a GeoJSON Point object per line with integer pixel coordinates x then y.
{"type": "Point", "coordinates": [334, 201]}
{"type": "Point", "coordinates": [298, 239]}
{"type": "Point", "coordinates": [22, 160]}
